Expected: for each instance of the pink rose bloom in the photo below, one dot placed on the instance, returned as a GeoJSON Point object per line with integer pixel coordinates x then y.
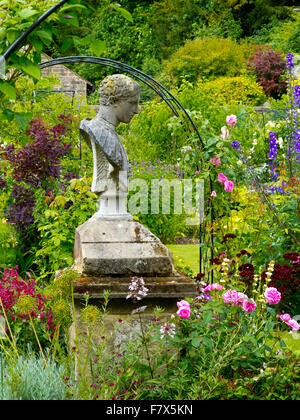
{"type": "Point", "coordinates": [225, 132]}
{"type": "Point", "coordinates": [248, 306]}
{"type": "Point", "coordinates": [272, 295]}
{"type": "Point", "coordinates": [285, 317]}
{"type": "Point", "coordinates": [228, 186]}
{"type": "Point", "coordinates": [213, 194]}
{"type": "Point", "coordinates": [183, 304]}
{"type": "Point", "coordinates": [197, 172]}
{"type": "Point", "coordinates": [231, 296]}
{"type": "Point", "coordinates": [184, 312]}
{"type": "Point", "coordinates": [241, 297]}
{"type": "Point", "coordinates": [215, 161]}
{"type": "Point", "coordinates": [293, 324]}
{"type": "Point", "coordinates": [222, 178]}
{"type": "Point", "coordinates": [231, 120]}
{"type": "Point", "coordinates": [213, 286]}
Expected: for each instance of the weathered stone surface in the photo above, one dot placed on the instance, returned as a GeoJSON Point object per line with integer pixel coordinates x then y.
{"type": "Point", "coordinates": [172, 287]}
{"type": "Point", "coordinates": [120, 247]}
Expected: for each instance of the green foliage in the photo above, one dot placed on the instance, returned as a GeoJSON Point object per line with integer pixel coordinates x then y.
{"type": "Point", "coordinates": [124, 40]}
{"type": "Point", "coordinates": [206, 58]}
{"type": "Point", "coordinates": [57, 222]}
{"type": "Point", "coordinates": [8, 243]}
{"type": "Point", "coordinates": [240, 89]}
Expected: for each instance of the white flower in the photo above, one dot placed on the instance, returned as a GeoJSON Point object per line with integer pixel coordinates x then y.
{"type": "Point", "coordinates": [254, 142]}
{"type": "Point", "coordinates": [270, 124]}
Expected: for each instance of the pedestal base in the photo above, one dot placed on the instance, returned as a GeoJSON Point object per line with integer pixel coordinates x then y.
{"type": "Point", "coordinates": [119, 247]}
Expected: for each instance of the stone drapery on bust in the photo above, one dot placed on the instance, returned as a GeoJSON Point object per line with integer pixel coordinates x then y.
{"type": "Point", "coordinates": [119, 99]}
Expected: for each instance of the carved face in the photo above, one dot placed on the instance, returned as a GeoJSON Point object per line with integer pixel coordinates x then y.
{"type": "Point", "coordinates": [127, 108]}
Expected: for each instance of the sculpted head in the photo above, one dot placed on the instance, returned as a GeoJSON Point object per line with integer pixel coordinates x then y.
{"type": "Point", "coordinates": [121, 95]}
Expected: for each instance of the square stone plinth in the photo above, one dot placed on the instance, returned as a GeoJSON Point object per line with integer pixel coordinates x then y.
{"type": "Point", "coordinates": [120, 248]}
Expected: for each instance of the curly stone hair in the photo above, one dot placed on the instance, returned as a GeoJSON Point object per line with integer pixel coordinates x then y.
{"type": "Point", "coordinates": [117, 87]}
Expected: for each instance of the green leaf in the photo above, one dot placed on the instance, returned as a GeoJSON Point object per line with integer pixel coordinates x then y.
{"type": "Point", "coordinates": [127, 15]}
{"type": "Point", "coordinates": [85, 41]}
{"type": "Point", "coordinates": [207, 317]}
{"type": "Point", "coordinates": [66, 44]}
{"type": "Point", "coordinates": [8, 90]}
{"type": "Point", "coordinates": [2, 32]}
{"type": "Point", "coordinates": [7, 114]}
{"type": "Point", "coordinates": [207, 342]}
{"type": "Point", "coordinates": [97, 47]}
{"type": "Point", "coordinates": [271, 311]}
{"type": "Point", "coordinates": [26, 13]}
{"type": "Point", "coordinates": [32, 69]}
{"type": "Point", "coordinates": [72, 6]}
{"type": "Point", "coordinates": [12, 36]}
{"type": "Point", "coordinates": [196, 341]}
{"type": "Point", "coordinates": [44, 36]}
{"type": "Point", "coordinates": [37, 44]}
{"type": "Point", "coordinates": [22, 119]}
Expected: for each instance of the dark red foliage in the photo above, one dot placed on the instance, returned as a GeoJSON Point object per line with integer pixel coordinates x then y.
{"type": "Point", "coordinates": [40, 159]}
{"type": "Point", "coordinates": [33, 165]}
{"type": "Point", "coordinates": [269, 68]}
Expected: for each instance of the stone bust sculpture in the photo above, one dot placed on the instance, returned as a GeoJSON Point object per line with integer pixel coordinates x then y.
{"type": "Point", "coordinates": [119, 99]}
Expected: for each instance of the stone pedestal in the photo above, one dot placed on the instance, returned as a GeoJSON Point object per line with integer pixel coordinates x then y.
{"type": "Point", "coordinates": [118, 247]}
{"type": "Point", "coordinates": [108, 253]}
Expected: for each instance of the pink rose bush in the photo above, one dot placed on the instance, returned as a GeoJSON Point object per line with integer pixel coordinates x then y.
{"type": "Point", "coordinates": [222, 178]}
{"type": "Point", "coordinates": [184, 309]}
{"type": "Point", "coordinates": [239, 299]}
{"type": "Point", "coordinates": [215, 161]}
{"type": "Point", "coordinates": [272, 296]}
{"type": "Point", "coordinates": [289, 321]}
{"type": "Point", "coordinates": [248, 305]}
{"type": "Point", "coordinates": [213, 286]}
{"type": "Point", "coordinates": [228, 185]}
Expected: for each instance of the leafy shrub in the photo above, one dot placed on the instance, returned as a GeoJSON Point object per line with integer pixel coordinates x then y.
{"type": "Point", "coordinates": [269, 68]}
{"type": "Point", "coordinates": [29, 379]}
{"type": "Point", "coordinates": [33, 165]}
{"type": "Point", "coordinates": [206, 58]}
{"type": "Point", "coordinates": [57, 214]}
{"type": "Point", "coordinates": [233, 89]}
{"type": "Point", "coordinates": [8, 243]}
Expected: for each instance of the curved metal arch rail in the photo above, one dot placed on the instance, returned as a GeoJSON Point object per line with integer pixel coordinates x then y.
{"type": "Point", "coordinates": [158, 88]}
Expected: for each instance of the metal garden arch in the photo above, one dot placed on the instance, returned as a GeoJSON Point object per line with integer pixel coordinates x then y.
{"type": "Point", "coordinates": [159, 89]}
